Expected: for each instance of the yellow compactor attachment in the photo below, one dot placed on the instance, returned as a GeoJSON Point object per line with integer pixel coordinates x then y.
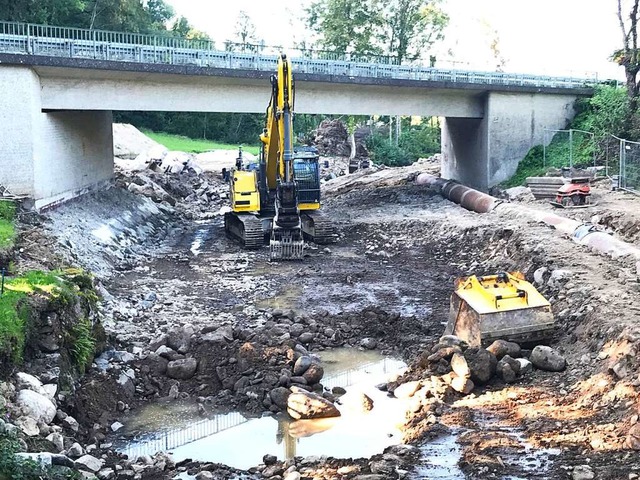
{"type": "Point", "coordinates": [498, 306]}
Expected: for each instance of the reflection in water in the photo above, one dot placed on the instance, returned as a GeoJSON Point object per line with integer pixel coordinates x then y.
{"type": "Point", "coordinates": [241, 442]}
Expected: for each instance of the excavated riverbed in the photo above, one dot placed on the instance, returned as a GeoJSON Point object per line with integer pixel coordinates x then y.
{"type": "Point", "coordinates": [382, 289]}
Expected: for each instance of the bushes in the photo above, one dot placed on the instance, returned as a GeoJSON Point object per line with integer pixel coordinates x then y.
{"type": "Point", "coordinates": [604, 114]}
{"type": "Point", "coordinates": [81, 343]}
{"type": "Point", "coordinates": [417, 141]}
{"type": "Point", "coordinates": [15, 468]}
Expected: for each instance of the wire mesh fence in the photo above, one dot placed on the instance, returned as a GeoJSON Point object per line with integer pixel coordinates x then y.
{"type": "Point", "coordinates": [569, 149]}
{"type": "Point", "coordinates": [629, 166]}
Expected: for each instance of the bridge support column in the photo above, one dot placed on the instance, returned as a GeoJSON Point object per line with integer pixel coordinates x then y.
{"type": "Point", "coordinates": [49, 156]}
{"type": "Point", "coordinates": [482, 152]}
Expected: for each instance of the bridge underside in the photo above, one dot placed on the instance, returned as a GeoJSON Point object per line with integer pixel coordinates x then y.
{"type": "Point", "coordinates": [57, 137]}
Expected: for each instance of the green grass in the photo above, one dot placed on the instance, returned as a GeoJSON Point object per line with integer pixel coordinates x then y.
{"type": "Point", "coordinates": [185, 144]}
{"type": "Point", "coordinates": [7, 228]}
{"type": "Point", "coordinates": [557, 155]}
{"type": "Point", "coordinates": [14, 311]}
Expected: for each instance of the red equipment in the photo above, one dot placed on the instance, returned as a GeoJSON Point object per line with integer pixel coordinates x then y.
{"type": "Point", "coordinates": [575, 193]}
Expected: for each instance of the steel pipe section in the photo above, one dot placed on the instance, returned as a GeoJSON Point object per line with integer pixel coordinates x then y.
{"type": "Point", "coordinates": [582, 233]}
{"type": "Point", "coordinates": [462, 195]}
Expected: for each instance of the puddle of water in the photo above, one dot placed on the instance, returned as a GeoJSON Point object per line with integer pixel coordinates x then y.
{"type": "Point", "coordinates": [241, 442]}
{"type": "Point", "coordinates": [285, 300]}
{"type": "Point", "coordinates": [202, 235]}
{"type": "Point", "coordinates": [440, 457]}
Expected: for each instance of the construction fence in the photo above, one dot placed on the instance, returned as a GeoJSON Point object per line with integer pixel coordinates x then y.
{"type": "Point", "coordinates": [606, 156]}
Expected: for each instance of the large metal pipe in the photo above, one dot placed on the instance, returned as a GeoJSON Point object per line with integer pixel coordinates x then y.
{"type": "Point", "coordinates": [584, 234]}
{"type": "Point", "coordinates": [461, 194]}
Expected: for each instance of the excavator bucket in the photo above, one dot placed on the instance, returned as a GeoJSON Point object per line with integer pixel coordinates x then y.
{"type": "Point", "coordinates": [502, 306]}
{"type": "Point", "coordinates": [286, 244]}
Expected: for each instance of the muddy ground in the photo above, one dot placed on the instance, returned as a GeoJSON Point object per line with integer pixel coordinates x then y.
{"type": "Point", "coordinates": [388, 278]}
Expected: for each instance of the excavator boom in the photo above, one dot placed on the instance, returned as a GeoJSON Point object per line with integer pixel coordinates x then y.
{"type": "Point", "coordinates": [286, 242]}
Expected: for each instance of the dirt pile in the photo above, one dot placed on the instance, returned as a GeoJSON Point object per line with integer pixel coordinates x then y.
{"type": "Point", "coordinates": [129, 142]}
{"type": "Point", "coordinates": [331, 138]}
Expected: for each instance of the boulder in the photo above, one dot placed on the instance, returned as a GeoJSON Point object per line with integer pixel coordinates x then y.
{"type": "Point", "coordinates": [180, 338]}
{"type": "Point", "coordinates": [36, 406]}
{"type": "Point", "coordinates": [24, 381]}
{"type": "Point", "coordinates": [306, 337]}
{"type": "Point", "coordinates": [304, 405]}
{"type": "Point", "coordinates": [459, 366]}
{"type": "Point", "coordinates": [313, 374]}
{"type": "Point", "coordinates": [407, 390]}
{"type": "Point", "coordinates": [279, 396]}
{"type": "Point", "coordinates": [87, 462]}
{"type": "Point", "coordinates": [547, 358]}
{"type": "Point", "coordinates": [463, 385]}
{"type": "Point", "coordinates": [182, 369]}
{"type": "Point", "coordinates": [525, 365]}
{"type": "Point", "coordinates": [500, 348]}
{"type": "Point", "coordinates": [301, 365]}
{"type": "Point", "coordinates": [482, 364]}
{"type": "Point", "coordinates": [369, 343]}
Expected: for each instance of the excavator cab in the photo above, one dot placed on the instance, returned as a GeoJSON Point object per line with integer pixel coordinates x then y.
{"type": "Point", "coordinates": [307, 174]}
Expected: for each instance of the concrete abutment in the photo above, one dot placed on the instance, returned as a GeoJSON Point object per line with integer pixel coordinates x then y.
{"type": "Point", "coordinates": [49, 156]}
{"type": "Point", "coordinates": [483, 152]}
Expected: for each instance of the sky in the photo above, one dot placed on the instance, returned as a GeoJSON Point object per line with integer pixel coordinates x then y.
{"type": "Point", "coordinates": [544, 37]}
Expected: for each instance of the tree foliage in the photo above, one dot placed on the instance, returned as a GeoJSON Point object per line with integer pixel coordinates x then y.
{"type": "Point", "coordinates": [137, 16]}
{"type": "Point", "coordinates": [629, 58]}
{"type": "Point", "coordinates": [403, 29]}
{"type": "Point", "coordinates": [347, 26]}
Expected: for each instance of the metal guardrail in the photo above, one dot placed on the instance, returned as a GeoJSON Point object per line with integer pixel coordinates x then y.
{"type": "Point", "coordinates": [22, 38]}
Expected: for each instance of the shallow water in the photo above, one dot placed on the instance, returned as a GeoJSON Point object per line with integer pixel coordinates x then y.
{"type": "Point", "coordinates": [241, 442]}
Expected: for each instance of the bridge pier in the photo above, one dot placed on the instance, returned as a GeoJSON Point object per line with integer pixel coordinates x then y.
{"type": "Point", "coordinates": [483, 152]}
{"type": "Point", "coordinates": [49, 156]}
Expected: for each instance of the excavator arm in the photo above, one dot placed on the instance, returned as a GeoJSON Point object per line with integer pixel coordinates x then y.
{"type": "Point", "coordinates": [277, 165]}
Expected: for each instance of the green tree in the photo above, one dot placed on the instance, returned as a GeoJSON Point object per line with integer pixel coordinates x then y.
{"type": "Point", "coordinates": [49, 12]}
{"type": "Point", "coordinates": [629, 57]}
{"type": "Point", "coordinates": [411, 26]}
{"type": "Point", "coordinates": [402, 29]}
{"type": "Point", "coordinates": [347, 26]}
{"type": "Point", "coordinates": [182, 28]}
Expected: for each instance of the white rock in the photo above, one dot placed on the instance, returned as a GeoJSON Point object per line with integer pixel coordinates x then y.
{"type": "Point", "coordinates": [36, 405]}
{"type": "Point", "coordinates": [525, 365]}
{"type": "Point", "coordinates": [49, 390]}
{"type": "Point", "coordinates": [89, 463]}
{"type": "Point", "coordinates": [57, 440]}
{"type": "Point", "coordinates": [116, 426]}
{"type": "Point", "coordinates": [71, 423]}
{"type": "Point", "coordinates": [28, 426]}
{"type": "Point", "coordinates": [28, 382]}
{"type": "Point", "coordinates": [75, 450]}
{"type": "Point", "coordinates": [582, 472]}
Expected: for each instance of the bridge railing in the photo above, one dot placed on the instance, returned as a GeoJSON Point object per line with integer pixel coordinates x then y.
{"type": "Point", "coordinates": [22, 38]}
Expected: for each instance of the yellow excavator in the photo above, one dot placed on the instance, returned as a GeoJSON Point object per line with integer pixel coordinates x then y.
{"type": "Point", "coordinates": [280, 196]}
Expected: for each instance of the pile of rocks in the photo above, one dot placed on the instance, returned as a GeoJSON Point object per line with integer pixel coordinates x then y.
{"type": "Point", "coordinates": [462, 367]}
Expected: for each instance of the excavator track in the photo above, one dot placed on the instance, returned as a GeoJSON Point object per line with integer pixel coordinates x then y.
{"type": "Point", "coordinates": [319, 228]}
{"type": "Point", "coordinates": [246, 228]}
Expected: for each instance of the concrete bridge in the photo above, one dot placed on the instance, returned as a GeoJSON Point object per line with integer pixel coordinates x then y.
{"type": "Point", "coordinates": [59, 87]}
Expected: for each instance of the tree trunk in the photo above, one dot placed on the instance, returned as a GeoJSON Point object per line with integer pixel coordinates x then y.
{"type": "Point", "coordinates": [352, 144]}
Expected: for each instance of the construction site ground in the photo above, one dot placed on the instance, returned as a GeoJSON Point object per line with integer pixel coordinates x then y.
{"type": "Point", "coordinates": [388, 277]}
